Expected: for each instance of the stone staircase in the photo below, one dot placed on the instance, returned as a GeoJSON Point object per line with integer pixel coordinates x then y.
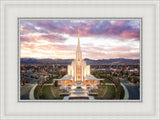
{"type": "Point", "coordinates": [78, 93]}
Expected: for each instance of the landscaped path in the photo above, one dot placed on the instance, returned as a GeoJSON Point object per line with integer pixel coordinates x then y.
{"type": "Point", "coordinates": [48, 84]}
{"type": "Point", "coordinates": [31, 94]}
{"type": "Point", "coordinates": [133, 89]}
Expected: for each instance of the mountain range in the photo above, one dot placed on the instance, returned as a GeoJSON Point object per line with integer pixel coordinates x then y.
{"type": "Point", "coordinates": [68, 61]}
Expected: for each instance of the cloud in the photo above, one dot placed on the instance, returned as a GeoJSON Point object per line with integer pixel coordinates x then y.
{"type": "Point", "coordinates": [54, 36]}
{"type": "Point", "coordinates": [121, 48]}
{"type": "Point", "coordinates": [119, 29]}
{"type": "Point", "coordinates": [111, 54]}
{"type": "Point", "coordinates": [50, 38]}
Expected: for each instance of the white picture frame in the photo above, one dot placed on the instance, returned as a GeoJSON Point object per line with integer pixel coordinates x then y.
{"type": "Point", "coordinates": [147, 109]}
{"type": "Point", "coordinates": [126, 96]}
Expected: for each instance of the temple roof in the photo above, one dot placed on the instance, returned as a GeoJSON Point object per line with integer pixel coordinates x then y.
{"type": "Point", "coordinates": [66, 77]}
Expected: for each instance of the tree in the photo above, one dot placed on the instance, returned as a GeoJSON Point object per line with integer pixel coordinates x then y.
{"type": "Point", "coordinates": [38, 81]}
{"type": "Point", "coordinates": [132, 80]}
{"type": "Point", "coordinates": [27, 81]}
{"type": "Point", "coordinates": [121, 73]}
{"type": "Point", "coordinates": [43, 80]}
{"type": "Point", "coordinates": [56, 83]}
{"type": "Point", "coordinates": [39, 92]}
{"type": "Point", "coordinates": [118, 89]}
{"type": "Point", "coordinates": [53, 84]}
{"type": "Point", "coordinates": [23, 81]}
{"type": "Point", "coordinates": [51, 76]}
{"type": "Point", "coordinates": [127, 73]}
{"type": "Point", "coordinates": [129, 78]}
{"type": "Point", "coordinates": [102, 83]}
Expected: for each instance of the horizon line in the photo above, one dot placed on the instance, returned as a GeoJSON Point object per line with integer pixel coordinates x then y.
{"type": "Point", "coordinates": [84, 58]}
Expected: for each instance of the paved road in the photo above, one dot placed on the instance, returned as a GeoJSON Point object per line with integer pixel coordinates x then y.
{"type": "Point", "coordinates": [133, 89]}
{"type": "Point", "coordinates": [31, 94]}
{"type": "Point", "coordinates": [25, 90]}
{"type": "Point", "coordinates": [31, 80]}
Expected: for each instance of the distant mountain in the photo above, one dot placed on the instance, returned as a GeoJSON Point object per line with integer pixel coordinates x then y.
{"type": "Point", "coordinates": [116, 60]}
{"type": "Point", "coordinates": [42, 61]}
{"type": "Point", "coordinates": [68, 61]}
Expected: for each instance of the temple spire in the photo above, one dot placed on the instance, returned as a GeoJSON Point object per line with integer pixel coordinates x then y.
{"type": "Point", "coordinates": [78, 47]}
{"type": "Point", "coordinates": [78, 52]}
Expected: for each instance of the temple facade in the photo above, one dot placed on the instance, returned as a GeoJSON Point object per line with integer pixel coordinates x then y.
{"type": "Point", "coordinates": [78, 73]}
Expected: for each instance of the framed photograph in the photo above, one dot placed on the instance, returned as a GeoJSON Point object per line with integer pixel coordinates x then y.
{"type": "Point", "coordinates": [80, 60]}
{"type": "Point", "coordinates": [100, 70]}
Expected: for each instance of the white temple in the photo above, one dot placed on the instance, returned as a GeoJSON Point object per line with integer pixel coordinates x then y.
{"type": "Point", "coordinates": [78, 72]}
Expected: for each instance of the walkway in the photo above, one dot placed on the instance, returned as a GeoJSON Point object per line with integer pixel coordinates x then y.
{"type": "Point", "coordinates": [126, 96]}
{"type": "Point", "coordinates": [109, 84]}
{"type": "Point", "coordinates": [31, 94]}
{"type": "Point", "coordinates": [78, 93]}
{"type": "Point", "coordinates": [48, 84]}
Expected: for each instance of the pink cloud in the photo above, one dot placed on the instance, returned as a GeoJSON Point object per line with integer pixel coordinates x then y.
{"type": "Point", "coordinates": [53, 31]}
{"type": "Point", "coordinates": [130, 34]}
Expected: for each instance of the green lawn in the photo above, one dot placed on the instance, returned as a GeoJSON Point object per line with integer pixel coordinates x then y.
{"type": "Point", "coordinates": [110, 93]}
{"type": "Point", "coordinates": [101, 91]}
{"type": "Point", "coordinates": [35, 92]}
{"type": "Point", "coordinates": [48, 92]}
{"type": "Point", "coordinates": [107, 81]}
{"type": "Point", "coordinates": [122, 93]}
{"type": "Point", "coordinates": [107, 92]}
{"type": "Point", "coordinates": [104, 92]}
{"type": "Point", "coordinates": [56, 91]}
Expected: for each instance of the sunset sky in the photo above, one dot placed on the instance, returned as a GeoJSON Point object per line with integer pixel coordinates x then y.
{"type": "Point", "coordinates": [99, 39]}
